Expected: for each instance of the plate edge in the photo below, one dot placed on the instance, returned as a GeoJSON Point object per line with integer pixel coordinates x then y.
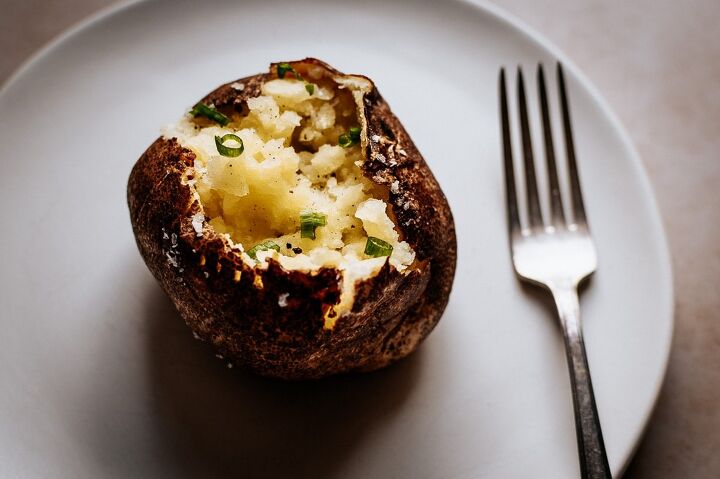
{"type": "Point", "coordinates": [60, 38]}
{"type": "Point", "coordinates": [534, 36]}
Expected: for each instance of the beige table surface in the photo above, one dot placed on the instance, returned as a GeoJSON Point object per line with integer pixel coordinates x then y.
{"type": "Point", "coordinates": [658, 64]}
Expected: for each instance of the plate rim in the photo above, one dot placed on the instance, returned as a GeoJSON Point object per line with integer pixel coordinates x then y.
{"type": "Point", "coordinates": [532, 35]}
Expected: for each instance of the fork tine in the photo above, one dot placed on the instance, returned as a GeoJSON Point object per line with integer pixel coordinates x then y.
{"type": "Point", "coordinates": [534, 214]}
{"type": "Point", "coordinates": [556, 207]}
{"type": "Point", "coordinates": [510, 196]}
{"type": "Point", "coordinates": [575, 191]}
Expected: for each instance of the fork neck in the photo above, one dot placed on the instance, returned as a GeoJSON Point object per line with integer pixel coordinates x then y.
{"type": "Point", "coordinates": [566, 301]}
{"type": "Point", "coordinates": [591, 447]}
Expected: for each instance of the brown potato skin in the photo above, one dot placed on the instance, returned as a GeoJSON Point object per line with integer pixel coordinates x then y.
{"type": "Point", "coordinates": [240, 317]}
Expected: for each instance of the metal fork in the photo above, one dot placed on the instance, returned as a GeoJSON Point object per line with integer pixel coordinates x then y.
{"type": "Point", "coordinates": [556, 255]}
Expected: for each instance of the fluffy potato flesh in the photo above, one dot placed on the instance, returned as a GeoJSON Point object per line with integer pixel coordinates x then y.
{"type": "Point", "coordinates": [292, 164]}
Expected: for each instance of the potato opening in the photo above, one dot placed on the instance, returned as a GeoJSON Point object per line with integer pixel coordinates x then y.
{"type": "Point", "coordinates": [300, 160]}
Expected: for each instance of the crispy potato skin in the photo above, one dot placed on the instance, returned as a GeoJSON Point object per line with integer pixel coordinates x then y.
{"type": "Point", "coordinates": [236, 308]}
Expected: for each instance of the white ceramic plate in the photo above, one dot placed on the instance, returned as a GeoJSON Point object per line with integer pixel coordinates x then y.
{"type": "Point", "coordinates": [99, 375]}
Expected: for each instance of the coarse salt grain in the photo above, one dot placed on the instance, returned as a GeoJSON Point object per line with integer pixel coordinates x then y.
{"type": "Point", "coordinates": [171, 259]}
{"type": "Point", "coordinates": [237, 86]}
{"type": "Point", "coordinates": [395, 187]}
{"type": "Point", "coordinates": [197, 223]}
{"type": "Point", "coordinates": [282, 299]}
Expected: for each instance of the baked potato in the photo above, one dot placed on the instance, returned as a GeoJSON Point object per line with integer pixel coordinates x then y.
{"type": "Point", "coordinates": [294, 224]}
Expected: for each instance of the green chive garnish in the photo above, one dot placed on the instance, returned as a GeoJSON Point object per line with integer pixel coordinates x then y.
{"type": "Point", "coordinates": [231, 151]}
{"type": "Point", "coordinates": [310, 221]}
{"type": "Point", "coordinates": [201, 109]}
{"type": "Point", "coordinates": [376, 247]}
{"type": "Point", "coordinates": [354, 133]}
{"type": "Point", "coordinates": [310, 88]}
{"type": "Point", "coordinates": [344, 141]}
{"type": "Point", "coordinates": [283, 68]}
{"type": "Point", "coordinates": [264, 246]}
{"type": "Point", "coordinates": [352, 137]}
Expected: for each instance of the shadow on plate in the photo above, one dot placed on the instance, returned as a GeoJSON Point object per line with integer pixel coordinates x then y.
{"type": "Point", "coordinates": [218, 422]}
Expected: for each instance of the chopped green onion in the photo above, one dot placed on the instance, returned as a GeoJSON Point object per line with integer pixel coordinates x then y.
{"type": "Point", "coordinates": [310, 221]}
{"type": "Point", "coordinates": [231, 151]}
{"type": "Point", "coordinates": [344, 141]}
{"type": "Point", "coordinates": [354, 133]}
{"type": "Point", "coordinates": [310, 88]}
{"type": "Point", "coordinates": [352, 137]}
{"type": "Point", "coordinates": [283, 68]}
{"type": "Point", "coordinates": [376, 247]}
{"type": "Point", "coordinates": [201, 109]}
{"type": "Point", "coordinates": [264, 246]}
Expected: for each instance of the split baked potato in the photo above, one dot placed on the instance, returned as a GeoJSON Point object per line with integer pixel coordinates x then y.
{"type": "Point", "coordinates": [295, 225]}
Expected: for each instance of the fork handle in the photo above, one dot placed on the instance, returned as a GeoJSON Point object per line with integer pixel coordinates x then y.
{"type": "Point", "coordinates": [591, 447]}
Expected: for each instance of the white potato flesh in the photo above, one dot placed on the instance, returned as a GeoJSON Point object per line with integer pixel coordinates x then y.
{"type": "Point", "coordinates": [260, 195]}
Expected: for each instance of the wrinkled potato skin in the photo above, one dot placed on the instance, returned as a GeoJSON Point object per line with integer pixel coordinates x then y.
{"type": "Point", "coordinates": [240, 317]}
